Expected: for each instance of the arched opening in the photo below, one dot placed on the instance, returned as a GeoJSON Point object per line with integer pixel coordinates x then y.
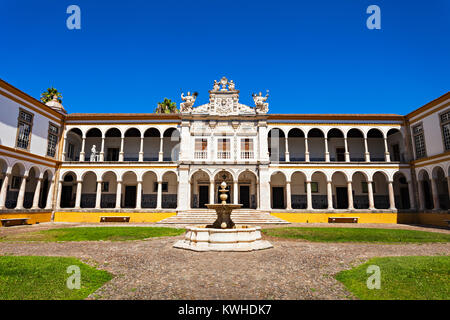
{"type": "Point", "coordinates": [200, 190]}
{"type": "Point", "coordinates": [73, 145]}
{"type": "Point", "coordinates": [375, 144]}
{"type": "Point", "coordinates": [171, 144]}
{"type": "Point", "coordinates": [319, 190]}
{"type": "Point", "coordinates": [336, 145]}
{"type": "Point", "coordinates": [401, 192]}
{"type": "Point", "coordinates": [380, 190]}
{"type": "Point", "coordinates": [149, 190]}
{"type": "Point", "coordinates": [88, 190]}
{"type": "Point", "coordinates": [355, 141]}
{"type": "Point", "coordinates": [109, 190]}
{"type": "Point", "coordinates": [93, 145]}
{"type": "Point", "coordinates": [129, 190]}
{"type": "Point", "coordinates": [396, 145]}
{"type": "Point", "coordinates": [45, 186]}
{"type": "Point", "coordinates": [30, 188]}
{"type": "Point", "coordinates": [131, 145]}
{"type": "Point", "coordinates": [278, 190]}
{"type": "Point", "coordinates": [360, 190]}
{"type": "Point", "coordinates": [15, 182]}
{"type": "Point", "coordinates": [247, 190]}
{"type": "Point", "coordinates": [340, 190]}
{"type": "Point", "coordinates": [441, 187]}
{"type": "Point", "coordinates": [277, 145]}
{"type": "Point", "coordinates": [296, 144]}
{"type": "Point", "coordinates": [68, 190]}
{"type": "Point", "coordinates": [425, 190]}
{"type": "Point", "coordinates": [316, 145]}
{"type": "Point", "coordinates": [169, 190]}
{"type": "Point", "coordinates": [226, 176]}
{"type": "Point", "coordinates": [152, 139]}
{"type": "Point", "coordinates": [298, 190]}
{"type": "Point", "coordinates": [113, 139]}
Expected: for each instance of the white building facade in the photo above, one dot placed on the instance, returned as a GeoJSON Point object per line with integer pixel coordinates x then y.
{"type": "Point", "coordinates": [175, 162]}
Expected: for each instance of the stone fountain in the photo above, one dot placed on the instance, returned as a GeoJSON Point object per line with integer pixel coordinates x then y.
{"type": "Point", "coordinates": [223, 234]}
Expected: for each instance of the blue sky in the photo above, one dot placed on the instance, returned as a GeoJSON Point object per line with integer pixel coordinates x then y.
{"type": "Point", "coordinates": [314, 56]}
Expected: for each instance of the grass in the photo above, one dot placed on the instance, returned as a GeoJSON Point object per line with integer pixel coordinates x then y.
{"type": "Point", "coordinates": [357, 235]}
{"type": "Point", "coordinates": [402, 278]}
{"type": "Point", "coordinates": [93, 234]}
{"type": "Point", "coordinates": [45, 278]}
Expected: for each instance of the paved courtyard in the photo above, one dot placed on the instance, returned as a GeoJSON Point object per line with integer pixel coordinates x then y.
{"type": "Point", "coordinates": [152, 269]}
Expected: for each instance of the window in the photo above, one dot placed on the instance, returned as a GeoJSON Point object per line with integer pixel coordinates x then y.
{"type": "Point", "coordinates": [247, 148]}
{"type": "Point", "coordinates": [52, 140]}
{"type": "Point", "coordinates": [16, 181]}
{"type": "Point", "coordinates": [105, 186]}
{"type": "Point", "coordinates": [201, 147]}
{"type": "Point", "coordinates": [314, 187]}
{"type": "Point", "coordinates": [419, 141]}
{"type": "Point", "coordinates": [164, 187]}
{"type": "Point", "coordinates": [24, 126]}
{"type": "Point", "coordinates": [223, 148]}
{"type": "Point", "coordinates": [365, 188]}
{"type": "Point", "coordinates": [445, 125]}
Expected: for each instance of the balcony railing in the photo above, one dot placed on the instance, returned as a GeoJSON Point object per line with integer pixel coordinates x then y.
{"type": "Point", "coordinates": [223, 155]}
{"type": "Point", "coordinates": [200, 155]}
{"type": "Point", "coordinates": [247, 155]}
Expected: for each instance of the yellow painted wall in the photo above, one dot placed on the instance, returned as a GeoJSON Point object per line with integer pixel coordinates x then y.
{"type": "Point", "coordinates": [92, 217]}
{"type": "Point", "coordinates": [33, 217]}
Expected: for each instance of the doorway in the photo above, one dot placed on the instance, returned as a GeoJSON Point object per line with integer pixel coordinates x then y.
{"type": "Point", "coordinates": [130, 197]}
{"type": "Point", "coordinates": [203, 196]}
{"type": "Point", "coordinates": [244, 196]}
{"type": "Point", "coordinates": [404, 196]}
{"type": "Point", "coordinates": [278, 198]}
{"type": "Point", "coordinates": [66, 197]}
{"type": "Point", "coordinates": [341, 198]}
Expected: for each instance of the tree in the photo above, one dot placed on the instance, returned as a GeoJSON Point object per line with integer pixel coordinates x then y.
{"type": "Point", "coordinates": [167, 106]}
{"type": "Point", "coordinates": [48, 95]}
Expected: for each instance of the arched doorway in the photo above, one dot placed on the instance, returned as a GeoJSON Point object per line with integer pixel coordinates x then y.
{"type": "Point", "coordinates": [278, 189]}
{"type": "Point", "coordinates": [247, 189]}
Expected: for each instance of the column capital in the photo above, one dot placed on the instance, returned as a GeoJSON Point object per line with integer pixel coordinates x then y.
{"type": "Point", "coordinates": [99, 181]}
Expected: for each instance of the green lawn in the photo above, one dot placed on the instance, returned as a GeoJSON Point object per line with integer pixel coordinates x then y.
{"type": "Point", "coordinates": [357, 235]}
{"type": "Point", "coordinates": [35, 278]}
{"type": "Point", "coordinates": [94, 234]}
{"type": "Point", "coordinates": [402, 278]}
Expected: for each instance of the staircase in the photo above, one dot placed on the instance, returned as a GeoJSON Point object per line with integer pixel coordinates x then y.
{"type": "Point", "coordinates": [205, 216]}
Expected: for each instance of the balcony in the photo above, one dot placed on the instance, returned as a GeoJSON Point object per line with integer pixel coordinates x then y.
{"type": "Point", "coordinates": [247, 155]}
{"type": "Point", "coordinates": [200, 155]}
{"type": "Point", "coordinates": [223, 155]}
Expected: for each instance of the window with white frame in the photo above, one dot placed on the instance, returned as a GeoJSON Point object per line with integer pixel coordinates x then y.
{"type": "Point", "coordinates": [247, 148]}
{"type": "Point", "coordinates": [52, 140]}
{"type": "Point", "coordinates": [445, 125]}
{"type": "Point", "coordinates": [223, 148]}
{"type": "Point", "coordinates": [201, 148]}
{"type": "Point", "coordinates": [419, 141]}
{"type": "Point", "coordinates": [24, 126]}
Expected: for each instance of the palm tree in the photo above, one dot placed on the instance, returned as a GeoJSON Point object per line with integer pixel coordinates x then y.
{"type": "Point", "coordinates": [48, 95]}
{"type": "Point", "coordinates": [167, 106]}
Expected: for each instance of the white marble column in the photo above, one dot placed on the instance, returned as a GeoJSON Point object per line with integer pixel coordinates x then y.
{"type": "Point", "coordinates": [159, 197]}
{"type": "Point", "coordinates": [98, 196]}
{"type": "Point", "coordinates": [83, 145]}
{"type": "Point", "coordinates": [49, 203]}
{"type": "Point", "coordinates": [286, 153]}
{"type": "Point", "coordinates": [448, 186]}
{"type": "Point", "coordinates": [139, 195]}
{"type": "Point", "coordinates": [370, 195]}
{"type": "Point", "coordinates": [235, 192]}
{"type": "Point", "coordinates": [350, 195]}
{"type": "Point", "coordinates": [119, 195]}
{"type": "Point", "coordinates": [306, 150]}
{"type": "Point", "coordinates": [211, 191]}
{"type": "Point", "coordinates": [412, 202]}
{"type": "Point", "coordinates": [434, 191]}
{"type": "Point", "coordinates": [366, 151]}
{"type": "Point", "coordinates": [64, 148]}
{"type": "Point", "coordinates": [330, 195]}
{"type": "Point", "coordinates": [122, 140]}
{"type": "Point", "coordinates": [327, 153]}
{"type": "Point", "coordinates": [386, 151]}
{"type": "Point", "coordinates": [288, 196]}
{"type": "Point", "coordinates": [391, 195]}
{"type": "Point", "coordinates": [347, 154]}
{"type": "Point", "coordinates": [3, 192]}
{"type": "Point", "coordinates": [421, 195]}
{"type": "Point", "coordinates": [102, 150]}
{"type": "Point", "coordinates": [141, 150]}
{"type": "Point", "coordinates": [78, 195]}
{"type": "Point", "coordinates": [37, 194]}
{"type": "Point", "coordinates": [58, 196]}
{"type": "Point", "coordinates": [258, 203]}
{"type": "Point", "coordinates": [309, 205]}
{"type": "Point", "coordinates": [161, 150]}
{"type": "Point", "coordinates": [21, 195]}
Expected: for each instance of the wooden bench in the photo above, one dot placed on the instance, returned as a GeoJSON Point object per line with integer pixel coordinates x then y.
{"type": "Point", "coordinates": [114, 219]}
{"type": "Point", "coordinates": [343, 220]}
{"type": "Point", "coordinates": [14, 222]}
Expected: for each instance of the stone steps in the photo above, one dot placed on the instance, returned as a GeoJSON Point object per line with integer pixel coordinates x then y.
{"type": "Point", "coordinates": [209, 216]}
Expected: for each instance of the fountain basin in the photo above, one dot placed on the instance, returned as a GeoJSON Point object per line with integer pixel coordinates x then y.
{"type": "Point", "coordinates": [242, 238]}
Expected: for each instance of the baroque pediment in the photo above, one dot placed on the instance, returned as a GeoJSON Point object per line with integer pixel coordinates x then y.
{"type": "Point", "coordinates": [223, 101]}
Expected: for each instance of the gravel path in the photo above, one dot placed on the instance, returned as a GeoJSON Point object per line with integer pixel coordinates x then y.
{"type": "Point", "coordinates": [152, 269]}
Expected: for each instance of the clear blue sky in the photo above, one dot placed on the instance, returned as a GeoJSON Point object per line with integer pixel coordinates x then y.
{"type": "Point", "coordinates": [314, 56]}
